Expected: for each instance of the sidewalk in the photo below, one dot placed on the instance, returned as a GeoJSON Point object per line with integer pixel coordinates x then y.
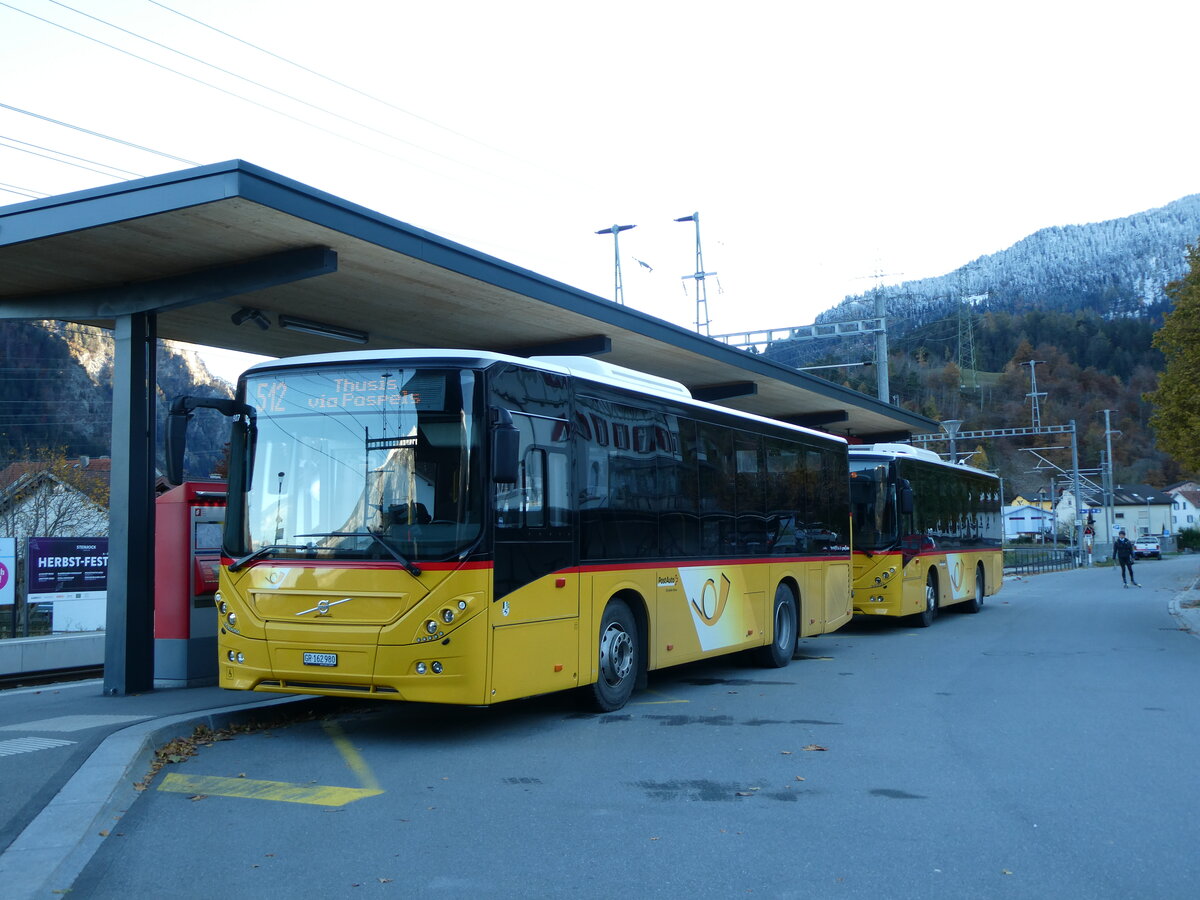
{"type": "Point", "coordinates": [69, 760]}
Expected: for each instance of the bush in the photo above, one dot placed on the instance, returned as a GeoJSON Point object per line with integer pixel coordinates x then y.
{"type": "Point", "coordinates": [1189, 539]}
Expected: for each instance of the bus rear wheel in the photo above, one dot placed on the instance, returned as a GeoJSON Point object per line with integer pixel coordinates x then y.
{"type": "Point", "coordinates": [618, 657]}
{"type": "Point", "coordinates": [975, 604]}
{"type": "Point", "coordinates": [784, 618]}
{"type": "Point", "coordinates": [925, 617]}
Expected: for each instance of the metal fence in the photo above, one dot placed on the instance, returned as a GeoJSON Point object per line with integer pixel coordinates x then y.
{"type": "Point", "coordinates": [1019, 560]}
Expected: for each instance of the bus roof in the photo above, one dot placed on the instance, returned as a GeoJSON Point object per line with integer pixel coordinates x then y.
{"type": "Point", "coordinates": [908, 451]}
{"type": "Point", "coordinates": [583, 367]}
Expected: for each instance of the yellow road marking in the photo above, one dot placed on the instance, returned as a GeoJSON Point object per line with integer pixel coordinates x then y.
{"type": "Point", "coordinates": [249, 788]}
{"type": "Point", "coordinates": [352, 757]}
{"type": "Point", "coordinates": [655, 702]}
{"type": "Point", "coordinates": [283, 791]}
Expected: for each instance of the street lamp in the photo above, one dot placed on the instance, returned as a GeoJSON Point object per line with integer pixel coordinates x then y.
{"type": "Point", "coordinates": [951, 426]}
{"type": "Point", "coordinates": [618, 287]}
{"type": "Point", "coordinates": [699, 275]}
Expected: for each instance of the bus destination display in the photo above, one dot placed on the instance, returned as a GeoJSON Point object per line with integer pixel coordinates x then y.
{"type": "Point", "coordinates": [284, 393]}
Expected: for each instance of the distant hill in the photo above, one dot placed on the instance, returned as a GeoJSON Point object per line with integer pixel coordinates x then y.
{"type": "Point", "coordinates": [56, 393]}
{"type": "Point", "coordinates": [1115, 269]}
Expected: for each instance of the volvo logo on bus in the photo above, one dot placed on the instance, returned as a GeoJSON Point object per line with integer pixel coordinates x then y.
{"type": "Point", "coordinates": [323, 606]}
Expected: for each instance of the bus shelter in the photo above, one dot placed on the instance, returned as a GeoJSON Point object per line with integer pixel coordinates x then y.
{"type": "Point", "coordinates": [233, 256]}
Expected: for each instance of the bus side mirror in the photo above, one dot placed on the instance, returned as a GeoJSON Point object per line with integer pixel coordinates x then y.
{"type": "Point", "coordinates": [506, 445]}
{"type": "Point", "coordinates": [177, 419]}
{"type": "Point", "coordinates": [906, 498]}
{"type": "Point", "coordinates": [177, 422]}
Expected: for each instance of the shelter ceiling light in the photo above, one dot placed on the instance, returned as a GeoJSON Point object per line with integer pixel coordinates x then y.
{"type": "Point", "coordinates": [321, 329]}
{"type": "Point", "coordinates": [248, 314]}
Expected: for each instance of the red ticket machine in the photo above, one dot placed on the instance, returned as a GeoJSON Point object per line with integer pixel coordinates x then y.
{"type": "Point", "coordinates": [187, 558]}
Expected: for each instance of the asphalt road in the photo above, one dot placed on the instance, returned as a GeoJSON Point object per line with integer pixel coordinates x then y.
{"type": "Point", "coordinates": [1042, 748]}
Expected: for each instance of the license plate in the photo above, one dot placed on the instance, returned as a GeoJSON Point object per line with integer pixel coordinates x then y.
{"type": "Point", "coordinates": [320, 659]}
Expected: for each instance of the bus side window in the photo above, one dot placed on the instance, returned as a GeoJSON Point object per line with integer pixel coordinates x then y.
{"type": "Point", "coordinates": [540, 498]}
{"type": "Point", "coordinates": [533, 487]}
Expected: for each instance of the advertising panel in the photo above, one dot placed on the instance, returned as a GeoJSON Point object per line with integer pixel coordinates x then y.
{"type": "Point", "coordinates": [8, 571]}
{"type": "Point", "coordinates": [72, 574]}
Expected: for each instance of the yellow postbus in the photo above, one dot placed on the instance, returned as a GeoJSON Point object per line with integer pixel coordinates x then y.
{"type": "Point", "coordinates": [466, 527]}
{"type": "Point", "coordinates": [927, 534]}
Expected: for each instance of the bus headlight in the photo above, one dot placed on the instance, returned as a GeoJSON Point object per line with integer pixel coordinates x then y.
{"type": "Point", "coordinates": [231, 618]}
{"type": "Point", "coordinates": [431, 627]}
{"type": "Point", "coordinates": [447, 616]}
{"type": "Point", "coordinates": [420, 668]}
{"type": "Point", "coordinates": [437, 668]}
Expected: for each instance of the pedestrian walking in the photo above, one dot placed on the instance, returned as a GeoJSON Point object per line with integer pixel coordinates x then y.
{"type": "Point", "coordinates": [1123, 548]}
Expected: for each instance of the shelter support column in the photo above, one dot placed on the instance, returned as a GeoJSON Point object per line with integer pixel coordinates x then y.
{"type": "Point", "coordinates": [129, 639]}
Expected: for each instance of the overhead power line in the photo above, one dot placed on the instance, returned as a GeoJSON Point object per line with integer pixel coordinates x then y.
{"type": "Point", "coordinates": [67, 161]}
{"type": "Point", "coordinates": [88, 131]}
{"type": "Point", "coordinates": [234, 94]}
{"type": "Point", "coordinates": [251, 81]}
{"type": "Point", "coordinates": [21, 191]}
{"type": "Point", "coordinates": [334, 81]}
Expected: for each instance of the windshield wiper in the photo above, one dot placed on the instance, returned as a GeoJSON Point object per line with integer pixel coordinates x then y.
{"type": "Point", "coordinates": [409, 567]}
{"type": "Point", "coordinates": [263, 551]}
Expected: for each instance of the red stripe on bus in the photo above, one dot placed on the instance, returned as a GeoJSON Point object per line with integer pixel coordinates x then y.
{"type": "Point", "coordinates": [361, 564]}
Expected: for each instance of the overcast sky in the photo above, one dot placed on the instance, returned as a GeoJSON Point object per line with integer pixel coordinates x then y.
{"type": "Point", "coordinates": [827, 146]}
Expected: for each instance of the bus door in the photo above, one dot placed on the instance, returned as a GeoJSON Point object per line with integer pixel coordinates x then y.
{"type": "Point", "coordinates": [535, 597]}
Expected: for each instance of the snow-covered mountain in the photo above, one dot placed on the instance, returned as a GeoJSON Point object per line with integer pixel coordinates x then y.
{"type": "Point", "coordinates": [1116, 268]}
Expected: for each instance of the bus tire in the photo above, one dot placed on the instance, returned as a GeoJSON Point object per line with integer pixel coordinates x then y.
{"type": "Point", "coordinates": [784, 631]}
{"type": "Point", "coordinates": [975, 603]}
{"type": "Point", "coordinates": [618, 657]}
{"type": "Point", "coordinates": [925, 617]}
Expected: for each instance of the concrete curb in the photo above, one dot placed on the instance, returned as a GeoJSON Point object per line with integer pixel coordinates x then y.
{"type": "Point", "coordinates": [1189, 617]}
{"type": "Point", "coordinates": [54, 848]}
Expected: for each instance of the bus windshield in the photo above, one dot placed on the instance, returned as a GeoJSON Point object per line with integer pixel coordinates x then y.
{"type": "Point", "coordinates": [873, 505]}
{"type": "Point", "coordinates": [369, 462]}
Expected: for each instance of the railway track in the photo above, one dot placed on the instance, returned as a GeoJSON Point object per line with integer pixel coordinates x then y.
{"type": "Point", "coordinates": [51, 676]}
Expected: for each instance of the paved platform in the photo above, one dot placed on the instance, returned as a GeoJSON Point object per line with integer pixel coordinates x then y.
{"type": "Point", "coordinates": [70, 758]}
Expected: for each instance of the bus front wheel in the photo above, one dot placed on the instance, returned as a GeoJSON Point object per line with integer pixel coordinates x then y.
{"type": "Point", "coordinates": [784, 617]}
{"type": "Point", "coordinates": [618, 657]}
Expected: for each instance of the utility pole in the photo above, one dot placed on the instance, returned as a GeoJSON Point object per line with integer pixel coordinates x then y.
{"type": "Point", "coordinates": [618, 287]}
{"type": "Point", "coordinates": [882, 387]}
{"type": "Point", "coordinates": [1077, 531]}
{"type": "Point", "coordinates": [699, 275]}
{"type": "Point", "coordinates": [966, 347]}
{"type": "Point", "coordinates": [1107, 479]}
{"type": "Point", "coordinates": [1033, 391]}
